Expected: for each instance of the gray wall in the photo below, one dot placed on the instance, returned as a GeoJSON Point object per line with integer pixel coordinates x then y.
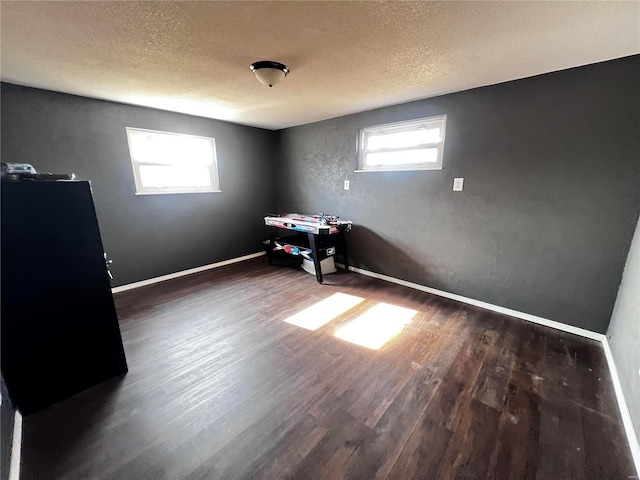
{"type": "Point", "coordinates": [146, 236]}
{"type": "Point", "coordinates": [624, 331]}
{"type": "Point", "coordinates": [551, 167]}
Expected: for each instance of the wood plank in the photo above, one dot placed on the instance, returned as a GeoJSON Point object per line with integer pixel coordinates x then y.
{"type": "Point", "coordinates": [422, 455]}
{"type": "Point", "coordinates": [516, 448]}
{"type": "Point", "coordinates": [468, 454]}
{"type": "Point", "coordinates": [561, 417]}
{"type": "Point", "coordinates": [491, 385]}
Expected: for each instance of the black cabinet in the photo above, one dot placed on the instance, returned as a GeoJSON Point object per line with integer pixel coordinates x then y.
{"type": "Point", "coordinates": [60, 332]}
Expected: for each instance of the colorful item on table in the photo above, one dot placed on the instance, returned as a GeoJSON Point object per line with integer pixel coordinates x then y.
{"type": "Point", "coordinates": [316, 224]}
{"type": "Point", "coordinates": [293, 250]}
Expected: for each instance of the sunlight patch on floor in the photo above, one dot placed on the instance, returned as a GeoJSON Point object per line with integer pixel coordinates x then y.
{"type": "Point", "coordinates": [376, 326]}
{"type": "Point", "coordinates": [324, 311]}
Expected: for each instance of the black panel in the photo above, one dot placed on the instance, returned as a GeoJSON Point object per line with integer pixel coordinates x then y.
{"type": "Point", "coordinates": [60, 331]}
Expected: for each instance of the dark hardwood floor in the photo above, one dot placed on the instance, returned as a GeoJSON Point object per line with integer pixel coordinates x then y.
{"type": "Point", "coordinates": [221, 387]}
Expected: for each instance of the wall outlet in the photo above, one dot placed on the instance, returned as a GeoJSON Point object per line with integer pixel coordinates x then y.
{"type": "Point", "coordinates": [346, 184]}
{"type": "Point", "coordinates": [458, 183]}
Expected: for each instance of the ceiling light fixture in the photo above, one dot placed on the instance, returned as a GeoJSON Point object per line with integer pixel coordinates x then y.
{"type": "Point", "coordinates": [269, 73]}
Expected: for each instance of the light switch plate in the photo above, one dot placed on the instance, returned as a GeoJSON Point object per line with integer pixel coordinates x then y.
{"type": "Point", "coordinates": [458, 183]}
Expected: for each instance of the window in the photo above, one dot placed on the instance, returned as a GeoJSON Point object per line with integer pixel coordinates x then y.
{"type": "Point", "coordinates": [411, 145]}
{"type": "Point", "coordinates": [166, 162]}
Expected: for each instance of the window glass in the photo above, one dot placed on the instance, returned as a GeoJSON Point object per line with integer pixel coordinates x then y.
{"type": "Point", "coordinates": [165, 162]}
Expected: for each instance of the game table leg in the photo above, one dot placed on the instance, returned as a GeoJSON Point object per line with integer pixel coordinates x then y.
{"type": "Point", "coordinates": [344, 251]}
{"type": "Point", "coordinates": [272, 238]}
{"type": "Point", "coordinates": [314, 256]}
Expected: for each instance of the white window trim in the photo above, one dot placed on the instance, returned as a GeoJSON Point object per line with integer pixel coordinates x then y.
{"type": "Point", "coordinates": [400, 126]}
{"type": "Point", "coordinates": [140, 190]}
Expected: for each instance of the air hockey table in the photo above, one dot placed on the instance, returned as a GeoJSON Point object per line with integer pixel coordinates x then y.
{"type": "Point", "coordinates": [325, 237]}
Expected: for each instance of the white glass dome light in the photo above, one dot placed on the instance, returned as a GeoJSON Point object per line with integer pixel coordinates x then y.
{"type": "Point", "coordinates": [269, 73]}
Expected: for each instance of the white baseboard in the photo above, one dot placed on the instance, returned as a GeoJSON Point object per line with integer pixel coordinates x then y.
{"type": "Point", "coordinates": [632, 435]}
{"type": "Point", "coordinates": [487, 306]}
{"type": "Point", "coordinates": [16, 447]}
{"type": "Point", "coordinates": [151, 281]}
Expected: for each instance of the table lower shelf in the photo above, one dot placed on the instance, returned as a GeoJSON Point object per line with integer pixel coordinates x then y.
{"type": "Point", "coordinates": [311, 246]}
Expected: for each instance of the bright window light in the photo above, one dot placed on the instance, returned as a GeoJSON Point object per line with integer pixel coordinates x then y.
{"type": "Point", "coordinates": [409, 138]}
{"type": "Point", "coordinates": [405, 157]}
{"type": "Point", "coordinates": [169, 176]}
{"type": "Point", "coordinates": [324, 311]}
{"type": "Point", "coordinates": [410, 145]}
{"type": "Point", "coordinates": [165, 162]}
{"type": "Point", "coordinates": [376, 326]}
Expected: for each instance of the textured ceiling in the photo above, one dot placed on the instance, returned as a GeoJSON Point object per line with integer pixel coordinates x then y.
{"type": "Point", "coordinates": [345, 57]}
